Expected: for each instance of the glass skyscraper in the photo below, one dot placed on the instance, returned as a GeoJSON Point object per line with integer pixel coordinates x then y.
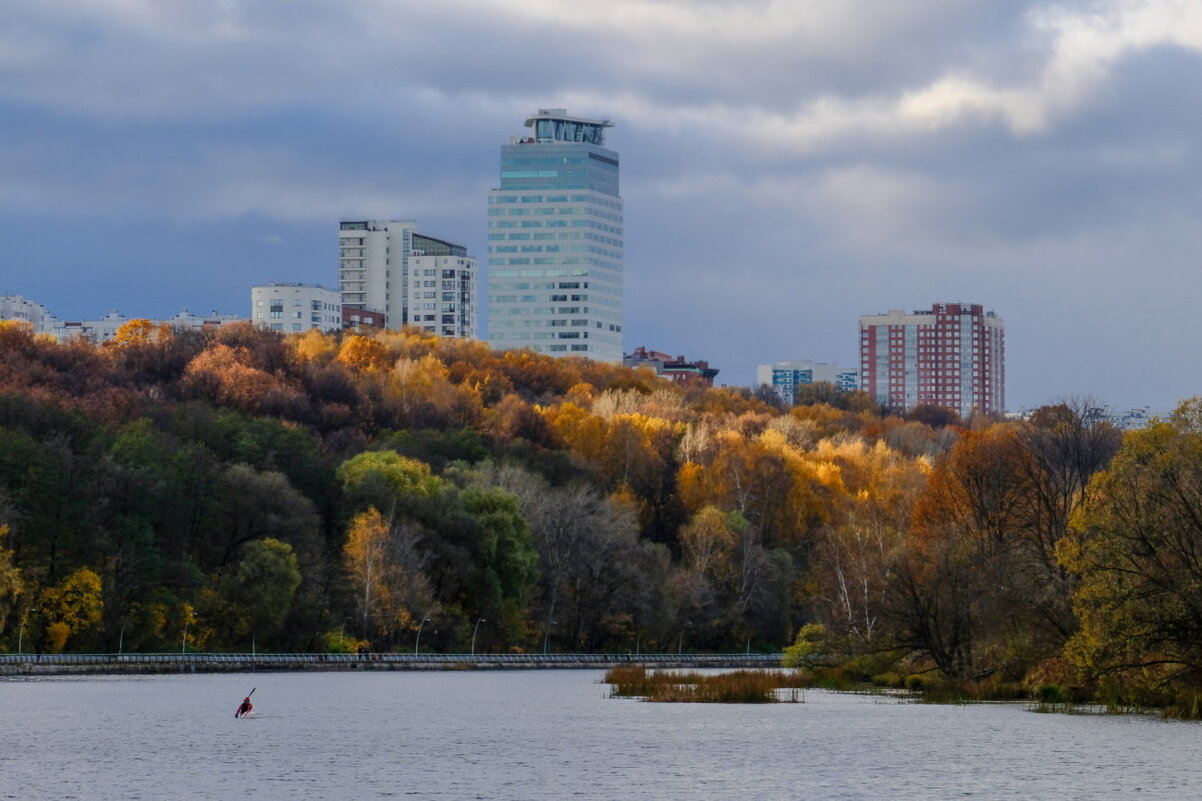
{"type": "Point", "coordinates": [555, 241]}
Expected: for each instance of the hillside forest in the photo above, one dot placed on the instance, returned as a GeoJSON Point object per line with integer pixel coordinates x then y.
{"type": "Point", "coordinates": [235, 488]}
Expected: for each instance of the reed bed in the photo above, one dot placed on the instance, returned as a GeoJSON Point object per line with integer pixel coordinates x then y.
{"type": "Point", "coordinates": [735, 687]}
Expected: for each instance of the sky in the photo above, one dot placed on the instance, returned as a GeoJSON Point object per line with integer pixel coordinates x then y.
{"type": "Point", "coordinates": [787, 165]}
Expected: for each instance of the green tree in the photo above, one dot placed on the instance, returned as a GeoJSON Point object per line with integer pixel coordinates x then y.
{"type": "Point", "coordinates": [250, 598]}
{"type": "Point", "coordinates": [506, 556]}
{"type": "Point", "coordinates": [379, 478]}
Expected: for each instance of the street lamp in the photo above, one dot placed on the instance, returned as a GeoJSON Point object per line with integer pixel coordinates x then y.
{"type": "Point", "coordinates": [417, 644]}
{"type": "Point", "coordinates": [474, 630]}
{"type": "Point", "coordinates": [21, 629]}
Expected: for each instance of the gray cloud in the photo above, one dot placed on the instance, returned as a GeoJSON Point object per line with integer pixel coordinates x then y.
{"type": "Point", "coordinates": [786, 165]}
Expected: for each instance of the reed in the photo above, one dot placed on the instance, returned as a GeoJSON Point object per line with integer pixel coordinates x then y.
{"type": "Point", "coordinates": [736, 687]}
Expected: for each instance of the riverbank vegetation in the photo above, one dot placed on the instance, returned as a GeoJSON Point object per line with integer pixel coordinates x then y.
{"type": "Point", "coordinates": [731, 687]}
{"type": "Point", "coordinates": [236, 489]}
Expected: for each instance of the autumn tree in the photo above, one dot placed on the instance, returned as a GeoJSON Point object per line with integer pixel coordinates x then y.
{"type": "Point", "coordinates": [1139, 559]}
{"type": "Point", "coordinates": [959, 590]}
{"type": "Point", "coordinates": [229, 376]}
{"type": "Point", "coordinates": [363, 353]}
{"type": "Point", "coordinates": [11, 583]}
{"type": "Point", "coordinates": [1067, 444]}
{"type": "Point", "coordinates": [140, 332]}
{"type": "Point", "coordinates": [854, 558]}
{"type": "Point", "coordinates": [71, 608]}
{"type": "Point", "coordinates": [315, 347]}
{"type": "Point", "coordinates": [384, 564]}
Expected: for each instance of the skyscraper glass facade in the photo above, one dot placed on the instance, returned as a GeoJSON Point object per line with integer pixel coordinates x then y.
{"type": "Point", "coordinates": [555, 246]}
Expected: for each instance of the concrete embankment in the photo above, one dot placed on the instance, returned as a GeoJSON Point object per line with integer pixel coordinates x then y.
{"type": "Point", "coordinates": [85, 664]}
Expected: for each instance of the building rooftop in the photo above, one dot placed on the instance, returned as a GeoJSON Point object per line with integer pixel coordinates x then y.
{"type": "Point", "coordinates": [556, 125]}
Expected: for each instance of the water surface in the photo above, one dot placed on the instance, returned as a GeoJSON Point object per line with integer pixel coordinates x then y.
{"type": "Point", "coordinates": [554, 735]}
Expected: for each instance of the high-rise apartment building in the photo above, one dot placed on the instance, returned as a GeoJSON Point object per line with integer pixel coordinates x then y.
{"type": "Point", "coordinates": [414, 279]}
{"type": "Point", "coordinates": [952, 355]}
{"type": "Point", "coordinates": [785, 377]}
{"type": "Point", "coordinates": [555, 246]}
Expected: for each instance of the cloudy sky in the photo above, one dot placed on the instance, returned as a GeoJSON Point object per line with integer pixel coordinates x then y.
{"type": "Point", "coordinates": [787, 165]}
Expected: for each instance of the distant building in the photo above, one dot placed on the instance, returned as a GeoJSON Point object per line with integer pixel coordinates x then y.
{"type": "Point", "coordinates": [20, 309]}
{"type": "Point", "coordinates": [785, 377]}
{"type": "Point", "coordinates": [15, 307]}
{"type": "Point", "coordinates": [414, 279]}
{"type": "Point", "coordinates": [362, 319]}
{"type": "Point", "coordinates": [293, 308]}
{"type": "Point", "coordinates": [1133, 419]}
{"type": "Point", "coordinates": [105, 328]}
{"type": "Point", "coordinates": [555, 249]}
{"type": "Point", "coordinates": [675, 367]}
{"type": "Point", "coordinates": [951, 355]}
{"type": "Point", "coordinates": [1126, 419]}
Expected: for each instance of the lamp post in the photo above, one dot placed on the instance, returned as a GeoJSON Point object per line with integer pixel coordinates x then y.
{"type": "Point", "coordinates": [417, 644]}
{"type": "Point", "coordinates": [474, 630]}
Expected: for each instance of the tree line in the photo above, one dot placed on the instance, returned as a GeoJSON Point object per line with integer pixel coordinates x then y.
{"type": "Point", "coordinates": [237, 488]}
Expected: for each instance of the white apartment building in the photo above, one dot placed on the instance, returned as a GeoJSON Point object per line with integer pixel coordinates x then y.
{"type": "Point", "coordinates": [16, 308]}
{"type": "Point", "coordinates": [784, 377]}
{"type": "Point", "coordinates": [414, 279]}
{"type": "Point", "coordinates": [105, 328]}
{"type": "Point", "coordinates": [293, 308]}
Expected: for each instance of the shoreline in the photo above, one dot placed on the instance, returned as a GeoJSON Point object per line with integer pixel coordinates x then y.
{"type": "Point", "coordinates": [15, 665]}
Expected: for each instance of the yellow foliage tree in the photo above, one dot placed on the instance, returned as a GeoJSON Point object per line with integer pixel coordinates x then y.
{"type": "Point", "coordinates": [707, 541]}
{"type": "Point", "coordinates": [373, 557]}
{"type": "Point", "coordinates": [363, 353]}
{"type": "Point", "coordinates": [11, 584]}
{"type": "Point", "coordinates": [315, 347]}
{"type": "Point", "coordinates": [141, 332]}
{"type": "Point", "coordinates": [71, 607]}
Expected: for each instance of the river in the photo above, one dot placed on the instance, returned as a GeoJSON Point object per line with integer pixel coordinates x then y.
{"type": "Point", "coordinates": [555, 735]}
